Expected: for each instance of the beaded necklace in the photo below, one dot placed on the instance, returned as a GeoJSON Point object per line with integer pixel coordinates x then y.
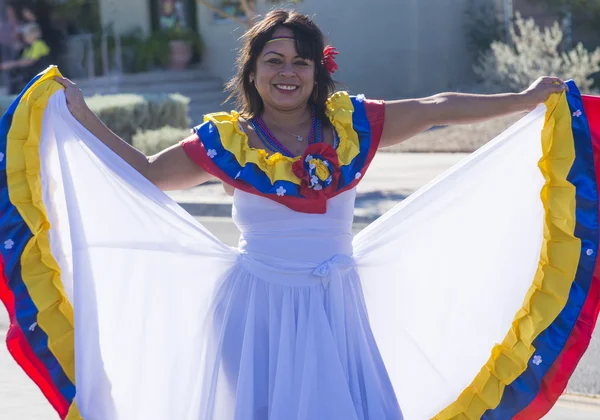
{"type": "Point", "coordinates": [272, 144]}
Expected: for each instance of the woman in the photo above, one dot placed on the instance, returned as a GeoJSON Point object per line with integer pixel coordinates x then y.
{"type": "Point", "coordinates": [170, 323]}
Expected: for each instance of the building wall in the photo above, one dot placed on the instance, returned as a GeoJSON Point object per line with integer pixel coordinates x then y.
{"type": "Point", "coordinates": [126, 14]}
{"type": "Point", "coordinates": [388, 48]}
{"type": "Point", "coordinates": [220, 38]}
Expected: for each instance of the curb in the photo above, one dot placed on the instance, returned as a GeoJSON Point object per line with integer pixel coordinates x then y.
{"type": "Point", "coordinates": [579, 401]}
{"type": "Point", "coordinates": [591, 402]}
{"type": "Point", "coordinates": [223, 211]}
{"type": "Point", "coordinates": [368, 207]}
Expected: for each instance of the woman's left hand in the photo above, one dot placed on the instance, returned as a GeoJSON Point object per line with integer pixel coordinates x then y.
{"type": "Point", "coordinates": [541, 89]}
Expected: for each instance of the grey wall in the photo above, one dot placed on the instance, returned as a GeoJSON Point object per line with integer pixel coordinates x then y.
{"type": "Point", "coordinates": [388, 48]}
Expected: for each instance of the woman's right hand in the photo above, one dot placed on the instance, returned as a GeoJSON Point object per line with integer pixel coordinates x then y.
{"type": "Point", "coordinates": [75, 100]}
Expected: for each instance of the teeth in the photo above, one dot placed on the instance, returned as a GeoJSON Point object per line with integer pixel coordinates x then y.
{"type": "Point", "coordinates": [286, 87]}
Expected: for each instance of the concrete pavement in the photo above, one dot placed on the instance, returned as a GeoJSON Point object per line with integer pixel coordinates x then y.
{"type": "Point", "coordinates": [20, 399]}
{"type": "Point", "coordinates": [390, 179]}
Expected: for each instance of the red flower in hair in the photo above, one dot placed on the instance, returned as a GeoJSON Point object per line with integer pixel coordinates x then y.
{"type": "Point", "coordinates": [329, 54]}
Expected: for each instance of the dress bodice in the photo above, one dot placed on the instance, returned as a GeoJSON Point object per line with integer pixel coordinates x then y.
{"type": "Point", "coordinates": [274, 230]}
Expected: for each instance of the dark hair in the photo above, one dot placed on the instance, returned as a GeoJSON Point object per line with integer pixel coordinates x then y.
{"type": "Point", "coordinates": [309, 44]}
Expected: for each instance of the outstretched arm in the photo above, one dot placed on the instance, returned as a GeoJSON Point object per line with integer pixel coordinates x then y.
{"type": "Point", "coordinates": [170, 169]}
{"type": "Point", "coordinates": [406, 118]}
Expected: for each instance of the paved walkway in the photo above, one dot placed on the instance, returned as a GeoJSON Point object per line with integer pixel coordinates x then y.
{"type": "Point", "coordinates": [21, 400]}
{"type": "Point", "coordinates": [390, 178]}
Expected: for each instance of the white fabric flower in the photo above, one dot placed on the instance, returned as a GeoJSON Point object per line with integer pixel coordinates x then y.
{"type": "Point", "coordinates": [537, 360]}
{"type": "Point", "coordinates": [358, 175]}
{"type": "Point", "coordinates": [1, 156]}
{"type": "Point", "coordinates": [8, 244]}
{"type": "Point", "coordinates": [280, 191]}
{"type": "Point", "coordinates": [589, 251]}
{"type": "Point", "coordinates": [360, 98]}
{"type": "Point", "coordinates": [314, 180]}
{"type": "Point", "coordinates": [312, 166]}
{"type": "Point", "coordinates": [308, 158]}
{"type": "Point", "coordinates": [318, 187]}
{"type": "Point", "coordinates": [211, 153]}
{"type": "Point", "coordinates": [32, 326]}
{"type": "Point", "coordinates": [577, 113]}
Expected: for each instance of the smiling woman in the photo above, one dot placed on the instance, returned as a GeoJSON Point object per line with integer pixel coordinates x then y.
{"type": "Point", "coordinates": [123, 306]}
{"type": "Point", "coordinates": [281, 69]}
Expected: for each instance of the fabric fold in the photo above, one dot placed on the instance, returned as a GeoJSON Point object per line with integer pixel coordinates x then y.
{"type": "Point", "coordinates": [123, 306]}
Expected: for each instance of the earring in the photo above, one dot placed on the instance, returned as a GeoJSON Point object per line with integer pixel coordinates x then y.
{"type": "Point", "coordinates": [251, 79]}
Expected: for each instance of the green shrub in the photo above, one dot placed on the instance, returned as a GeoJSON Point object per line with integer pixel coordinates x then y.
{"type": "Point", "coordinates": [482, 27]}
{"type": "Point", "coordinates": [536, 53]}
{"type": "Point", "coordinates": [127, 114]}
{"type": "Point", "coordinates": [151, 142]}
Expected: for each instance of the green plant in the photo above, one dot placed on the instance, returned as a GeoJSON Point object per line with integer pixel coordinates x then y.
{"type": "Point", "coordinates": [151, 142]}
{"type": "Point", "coordinates": [127, 114]}
{"type": "Point", "coordinates": [579, 8]}
{"type": "Point", "coordinates": [154, 51]}
{"type": "Point", "coordinates": [186, 35]}
{"type": "Point", "coordinates": [536, 53]}
{"type": "Point", "coordinates": [482, 26]}
{"type": "Point", "coordinates": [133, 46]}
{"type": "Point", "coordinates": [81, 14]}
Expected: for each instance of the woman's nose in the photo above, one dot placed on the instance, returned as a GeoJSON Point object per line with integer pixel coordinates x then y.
{"type": "Point", "coordinates": [288, 70]}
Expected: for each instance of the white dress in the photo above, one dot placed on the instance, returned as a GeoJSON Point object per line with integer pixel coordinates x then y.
{"type": "Point", "coordinates": [449, 306]}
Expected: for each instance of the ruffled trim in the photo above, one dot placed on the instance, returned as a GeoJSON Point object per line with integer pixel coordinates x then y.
{"type": "Point", "coordinates": [221, 148]}
{"type": "Point", "coordinates": [578, 320]}
{"type": "Point", "coordinates": [553, 279]}
{"type": "Point", "coordinates": [340, 111]}
{"type": "Point", "coordinates": [39, 270]}
{"type": "Point", "coordinates": [235, 141]}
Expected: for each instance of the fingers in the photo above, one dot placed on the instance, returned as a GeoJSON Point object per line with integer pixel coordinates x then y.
{"type": "Point", "coordinates": [64, 81]}
{"type": "Point", "coordinates": [555, 83]}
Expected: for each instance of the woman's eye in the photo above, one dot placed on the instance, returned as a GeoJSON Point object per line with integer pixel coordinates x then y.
{"type": "Point", "coordinates": [274, 61]}
{"type": "Point", "coordinates": [301, 63]}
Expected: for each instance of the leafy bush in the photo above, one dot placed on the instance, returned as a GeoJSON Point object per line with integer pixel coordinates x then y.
{"type": "Point", "coordinates": [151, 142]}
{"type": "Point", "coordinates": [536, 53]}
{"type": "Point", "coordinates": [126, 114]}
{"type": "Point", "coordinates": [141, 52]}
{"type": "Point", "coordinates": [482, 27]}
{"type": "Point", "coordinates": [154, 50]}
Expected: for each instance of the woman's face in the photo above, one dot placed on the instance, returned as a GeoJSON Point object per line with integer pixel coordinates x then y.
{"type": "Point", "coordinates": [284, 80]}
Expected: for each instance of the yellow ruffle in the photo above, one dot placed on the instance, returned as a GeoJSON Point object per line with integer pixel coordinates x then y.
{"type": "Point", "coordinates": [40, 271]}
{"type": "Point", "coordinates": [556, 271]}
{"type": "Point", "coordinates": [278, 166]}
{"type": "Point", "coordinates": [340, 111]}
{"type": "Point", "coordinates": [234, 140]}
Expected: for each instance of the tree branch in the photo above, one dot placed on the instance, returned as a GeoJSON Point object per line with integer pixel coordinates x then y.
{"type": "Point", "coordinates": [249, 8]}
